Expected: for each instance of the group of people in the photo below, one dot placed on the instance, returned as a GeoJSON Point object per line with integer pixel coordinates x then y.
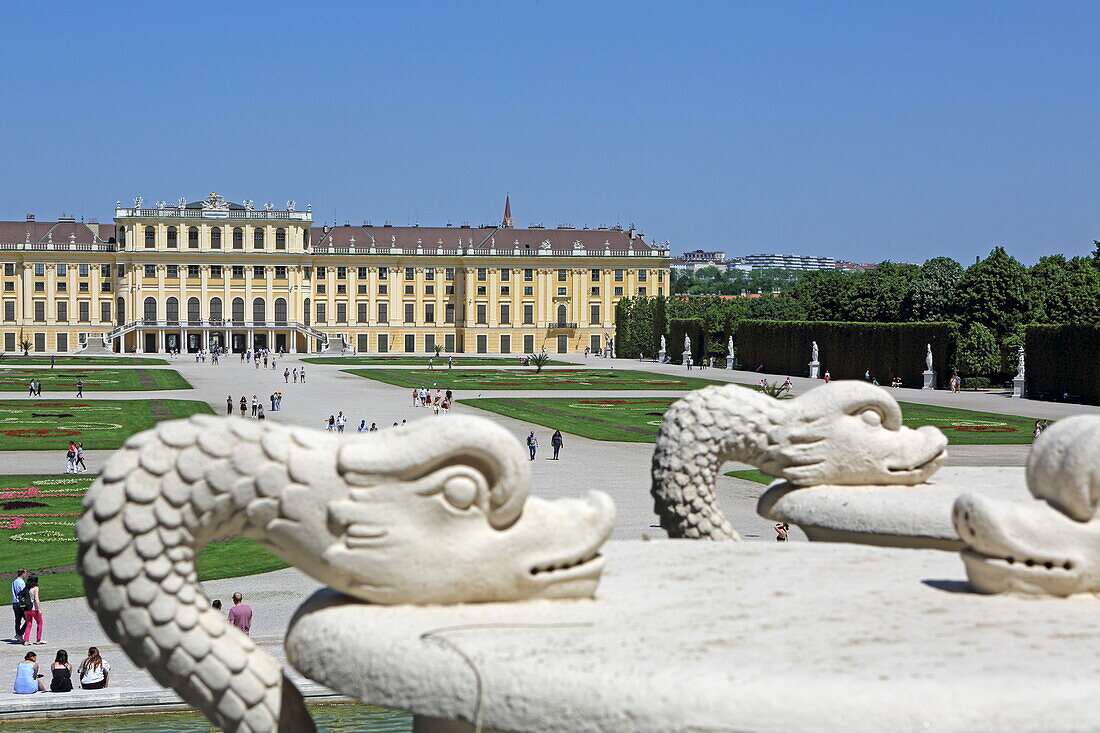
{"type": "Point", "coordinates": [254, 357]}
{"type": "Point", "coordinates": [438, 402]}
{"type": "Point", "coordinates": [431, 363]}
{"type": "Point", "coordinates": [295, 374]}
{"type": "Point", "coordinates": [256, 404]}
{"type": "Point", "coordinates": [93, 673]}
{"type": "Point", "coordinates": [1040, 426]}
{"type": "Point", "coordinates": [34, 388]}
{"type": "Point", "coordinates": [74, 458]}
{"type": "Point", "coordinates": [240, 615]}
{"type": "Point", "coordinates": [214, 354]}
{"type": "Point", "coordinates": [556, 443]}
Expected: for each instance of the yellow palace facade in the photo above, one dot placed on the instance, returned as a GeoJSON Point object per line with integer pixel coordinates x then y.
{"type": "Point", "coordinates": [212, 273]}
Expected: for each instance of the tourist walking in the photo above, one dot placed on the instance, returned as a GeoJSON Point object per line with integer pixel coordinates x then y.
{"type": "Point", "coordinates": [532, 444]}
{"type": "Point", "coordinates": [62, 673]}
{"type": "Point", "coordinates": [70, 458]}
{"type": "Point", "coordinates": [80, 466]}
{"type": "Point", "coordinates": [229, 405]}
{"type": "Point", "coordinates": [27, 679]}
{"type": "Point", "coordinates": [255, 404]}
{"type": "Point", "coordinates": [373, 428]}
{"type": "Point", "coordinates": [302, 374]}
{"type": "Point", "coordinates": [32, 610]}
{"type": "Point", "coordinates": [80, 388]}
{"type": "Point", "coordinates": [260, 413]}
{"type": "Point", "coordinates": [241, 613]}
{"type": "Point", "coordinates": [244, 405]}
{"type": "Point", "coordinates": [286, 376]}
{"type": "Point", "coordinates": [30, 389]}
{"type": "Point", "coordinates": [17, 586]}
{"type": "Point", "coordinates": [295, 374]}
{"type": "Point", "coordinates": [330, 424]}
{"type": "Point", "coordinates": [341, 421]}
{"type": "Point", "coordinates": [556, 442]}
{"type": "Point", "coordinates": [94, 671]}
{"type": "Point", "coordinates": [362, 427]}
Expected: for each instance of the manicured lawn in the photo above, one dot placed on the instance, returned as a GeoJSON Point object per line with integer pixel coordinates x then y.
{"type": "Point", "coordinates": [422, 361]}
{"type": "Point", "coordinates": [751, 474]}
{"type": "Point", "coordinates": [80, 360]}
{"type": "Point", "coordinates": [98, 424]}
{"type": "Point", "coordinates": [528, 378]}
{"type": "Point", "coordinates": [37, 518]}
{"type": "Point", "coordinates": [638, 419]}
{"type": "Point", "coordinates": [63, 381]}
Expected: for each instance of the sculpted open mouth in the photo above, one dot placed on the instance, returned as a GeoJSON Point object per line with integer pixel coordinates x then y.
{"type": "Point", "coordinates": [1023, 563]}
{"type": "Point", "coordinates": [592, 561]}
{"type": "Point", "coordinates": [919, 467]}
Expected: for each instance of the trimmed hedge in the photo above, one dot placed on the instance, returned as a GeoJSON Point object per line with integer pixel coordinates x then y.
{"type": "Point", "coordinates": [639, 323]}
{"type": "Point", "coordinates": [1063, 360]}
{"type": "Point", "coordinates": [693, 327]}
{"type": "Point", "coordinates": [848, 350]}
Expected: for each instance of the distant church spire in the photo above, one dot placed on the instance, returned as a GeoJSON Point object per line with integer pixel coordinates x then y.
{"type": "Point", "coordinates": [507, 222]}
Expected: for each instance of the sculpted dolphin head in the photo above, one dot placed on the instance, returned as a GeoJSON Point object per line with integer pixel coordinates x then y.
{"type": "Point", "coordinates": [1050, 547]}
{"type": "Point", "coordinates": [850, 433]}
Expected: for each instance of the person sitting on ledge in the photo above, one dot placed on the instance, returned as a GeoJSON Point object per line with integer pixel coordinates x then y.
{"type": "Point", "coordinates": [62, 673]}
{"type": "Point", "coordinates": [27, 679]}
{"type": "Point", "coordinates": [94, 671]}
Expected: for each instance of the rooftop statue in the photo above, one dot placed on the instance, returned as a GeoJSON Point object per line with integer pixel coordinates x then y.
{"type": "Point", "coordinates": [429, 513]}
{"type": "Point", "coordinates": [842, 433]}
{"type": "Point", "coordinates": [1050, 547]}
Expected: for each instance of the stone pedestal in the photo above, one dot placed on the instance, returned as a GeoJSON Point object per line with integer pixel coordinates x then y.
{"type": "Point", "coordinates": [729, 362]}
{"type": "Point", "coordinates": [815, 370]}
{"type": "Point", "coordinates": [685, 358]}
{"type": "Point", "coordinates": [691, 635]}
{"type": "Point", "coordinates": [929, 379]}
{"type": "Point", "coordinates": [661, 356]}
{"type": "Point", "coordinates": [1018, 389]}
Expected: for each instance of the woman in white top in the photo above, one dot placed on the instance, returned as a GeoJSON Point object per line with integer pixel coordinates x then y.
{"type": "Point", "coordinates": [94, 671]}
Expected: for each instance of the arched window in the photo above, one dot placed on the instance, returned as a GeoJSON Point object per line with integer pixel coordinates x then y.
{"type": "Point", "coordinates": [120, 311]}
{"type": "Point", "coordinates": [150, 310]}
{"type": "Point", "coordinates": [305, 311]}
{"type": "Point", "coordinates": [258, 238]}
{"type": "Point", "coordinates": [216, 238]}
{"type": "Point", "coordinates": [238, 238]}
{"type": "Point", "coordinates": [172, 310]}
{"type": "Point", "coordinates": [173, 242]}
{"type": "Point", "coordinates": [280, 310]}
{"type": "Point", "coordinates": [122, 236]}
{"type": "Point", "coordinates": [259, 311]}
{"type": "Point", "coordinates": [562, 315]}
{"type": "Point", "coordinates": [193, 238]}
{"type": "Point", "coordinates": [150, 237]}
{"type": "Point", "coordinates": [215, 309]}
{"type": "Point", "coordinates": [238, 309]}
{"type": "Point", "coordinates": [193, 310]}
{"type": "Point", "coordinates": [280, 238]}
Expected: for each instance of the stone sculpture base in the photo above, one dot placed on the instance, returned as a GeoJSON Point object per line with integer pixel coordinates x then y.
{"type": "Point", "coordinates": [661, 356]}
{"type": "Point", "coordinates": [929, 379]}
{"type": "Point", "coordinates": [685, 357]}
{"type": "Point", "coordinates": [815, 370]}
{"type": "Point", "coordinates": [687, 635]}
{"type": "Point", "coordinates": [890, 516]}
{"type": "Point", "coordinates": [1018, 388]}
{"type": "Point", "coordinates": [729, 362]}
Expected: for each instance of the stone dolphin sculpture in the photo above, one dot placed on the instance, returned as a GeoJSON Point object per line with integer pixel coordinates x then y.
{"type": "Point", "coordinates": [433, 512]}
{"type": "Point", "coordinates": [1049, 547]}
{"type": "Point", "coordinates": [847, 433]}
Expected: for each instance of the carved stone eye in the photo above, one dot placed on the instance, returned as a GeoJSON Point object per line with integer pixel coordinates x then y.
{"type": "Point", "coordinates": [871, 417]}
{"type": "Point", "coordinates": [460, 491]}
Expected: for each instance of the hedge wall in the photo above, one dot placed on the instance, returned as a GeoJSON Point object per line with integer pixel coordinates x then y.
{"type": "Point", "coordinates": [1063, 360]}
{"type": "Point", "coordinates": [639, 323]}
{"type": "Point", "coordinates": [693, 327]}
{"type": "Point", "coordinates": [848, 350]}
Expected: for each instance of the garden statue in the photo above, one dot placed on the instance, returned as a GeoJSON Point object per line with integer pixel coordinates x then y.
{"type": "Point", "coordinates": [428, 513]}
{"type": "Point", "coordinates": [813, 352]}
{"type": "Point", "coordinates": [1020, 361]}
{"type": "Point", "coordinates": [687, 344]}
{"type": "Point", "coordinates": [1049, 547]}
{"type": "Point", "coordinates": [662, 342]}
{"type": "Point", "coordinates": [929, 372]}
{"type": "Point", "coordinates": [729, 347]}
{"type": "Point", "coordinates": [842, 433]}
{"type": "Point", "coordinates": [928, 358]}
{"type": "Point", "coordinates": [1019, 382]}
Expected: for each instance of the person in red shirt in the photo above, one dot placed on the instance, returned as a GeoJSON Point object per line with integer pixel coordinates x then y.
{"type": "Point", "coordinates": [241, 613]}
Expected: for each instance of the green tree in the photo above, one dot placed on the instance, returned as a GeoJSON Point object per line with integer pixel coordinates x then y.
{"type": "Point", "coordinates": [875, 296]}
{"type": "Point", "coordinates": [824, 295]}
{"type": "Point", "coordinates": [977, 352]}
{"type": "Point", "coordinates": [994, 293]}
{"type": "Point", "coordinates": [1065, 291]}
{"type": "Point", "coordinates": [931, 291]}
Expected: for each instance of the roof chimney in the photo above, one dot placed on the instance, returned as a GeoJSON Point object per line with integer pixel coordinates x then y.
{"type": "Point", "coordinates": [30, 217]}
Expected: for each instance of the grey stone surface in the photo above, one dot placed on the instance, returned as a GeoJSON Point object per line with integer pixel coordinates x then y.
{"type": "Point", "coordinates": [706, 636]}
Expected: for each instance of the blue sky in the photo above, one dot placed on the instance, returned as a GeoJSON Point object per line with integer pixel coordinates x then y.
{"type": "Point", "coordinates": [864, 131]}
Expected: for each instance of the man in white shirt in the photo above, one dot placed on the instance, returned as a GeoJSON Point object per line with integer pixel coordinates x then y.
{"type": "Point", "coordinates": [17, 586]}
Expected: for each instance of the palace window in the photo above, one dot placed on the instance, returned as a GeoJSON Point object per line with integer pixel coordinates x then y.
{"type": "Point", "coordinates": [280, 272]}
{"type": "Point", "coordinates": [172, 309]}
{"type": "Point", "coordinates": [280, 238]}
{"type": "Point", "coordinates": [150, 237]}
{"type": "Point", "coordinates": [193, 310]}
{"type": "Point", "coordinates": [410, 312]}
{"type": "Point", "coordinates": [216, 238]}
{"type": "Point", "coordinates": [481, 315]}
{"type": "Point", "coordinates": [150, 270]}
{"type": "Point", "coordinates": [341, 289]}
{"type": "Point", "coordinates": [506, 344]}
{"type": "Point", "coordinates": [641, 291]}
{"type": "Point", "coordinates": [216, 271]}
{"type": "Point", "coordinates": [9, 269]}
{"type": "Point", "coordinates": [429, 312]}
{"type": "Point", "coordinates": [561, 291]}
{"type": "Point", "coordinates": [238, 272]}
{"type": "Point", "coordinates": [383, 289]}
{"type": "Point", "coordinates": [258, 238]}
{"type": "Point", "coordinates": [341, 312]}
{"type": "Point", "coordinates": [193, 238]}
{"type": "Point", "coordinates": [594, 314]}
{"type": "Point", "coordinates": [505, 313]}
{"type": "Point", "coordinates": [481, 290]}
{"type": "Point", "coordinates": [9, 310]}
{"type": "Point", "coordinates": [383, 272]}
{"type": "Point", "coordinates": [173, 272]}
{"type": "Point", "coordinates": [505, 290]}
{"type": "Point", "coordinates": [238, 238]}
{"type": "Point", "coordinates": [562, 275]}
{"type": "Point", "coordinates": [361, 312]}
{"type": "Point", "coordinates": [448, 289]}
{"type": "Point", "coordinates": [449, 313]}
{"type": "Point", "coordinates": [39, 269]}
{"type": "Point", "coordinates": [449, 274]}
{"type": "Point", "coordinates": [62, 286]}
{"type": "Point", "coordinates": [104, 270]}
{"type": "Point", "coordinates": [193, 272]}
{"type": "Point", "coordinates": [237, 309]}
{"type": "Point", "coordinates": [642, 275]}
{"type": "Point", "coordinates": [528, 290]}
{"type": "Point", "coordinates": [528, 313]}
{"type": "Point", "coordinates": [618, 291]}
{"type": "Point", "coordinates": [40, 310]}
{"type": "Point", "coordinates": [341, 273]}
{"type": "Point", "coordinates": [320, 288]}
{"type": "Point", "coordinates": [280, 310]}
{"type": "Point", "coordinates": [321, 273]}
{"type": "Point", "coordinates": [361, 272]}
{"type": "Point", "coordinates": [105, 311]}
{"type": "Point", "coordinates": [595, 275]}
{"type": "Point", "coordinates": [322, 317]}
{"type": "Point", "coordinates": [618, 276]}
{"type": "Point", "coordinates": [594, 290]}
{"type": "Point", "coordinates": [122, 270]}
{"type": "Point", "coordinates": [9, 287]}
{"type": "Point", "coordinates": [259, 311]}
{"type": "Point", "coordinates": [173, 238]}
{"type": "Point", "coordinates": [216, 309]}
{"type": "Point", "coordinates": [660, 276]}
{"type": "Point", "coordinates": [481, 274]}
{"type": "Point", "coordinates": [104, 287]}
{"type": "Point", "coordinates": [528, 275]}
{"type": "Point", "coordinates": [62, 269]}
{"type": "Point", "coordinates": [258, 272]}
{"type": "Point", "coordinates": [383, 312]}
{"type": "Point", "coordinates": [429, 273]}
{"type": "Point", "coordinates": [528, 343]}
{"type": "Point", "coordinates": [62, 311]}
{"type": "Point", "coordinates": [410, 273]}
{"type": "Point", "coordinates": [410, 289]}
{"type": "Point", "coordinates": [40, 287]}
{"type": "Point", "coordinates": [505, 275]}
{"type": "Point", "coordinates": [429, 290]}
{"type": "Point", "coordinates": [361, 289]}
